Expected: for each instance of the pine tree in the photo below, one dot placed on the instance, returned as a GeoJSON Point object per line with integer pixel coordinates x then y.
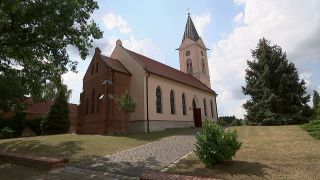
{"type": "Point", "coordinates": [57, 120]}
{"type": "Point", "coordinates": [277, 95]}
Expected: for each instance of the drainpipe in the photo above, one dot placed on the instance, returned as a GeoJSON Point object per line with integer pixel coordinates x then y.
{"type": "Point", "coordinates": [147, 89]}
{"type": "Point", "coordinates": [215, 100]}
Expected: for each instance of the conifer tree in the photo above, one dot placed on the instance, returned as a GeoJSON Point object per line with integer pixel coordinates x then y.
{"type": "Point", "coordinates": [277, 95]}
{"type": "Point", "coordinates": [57, 120]}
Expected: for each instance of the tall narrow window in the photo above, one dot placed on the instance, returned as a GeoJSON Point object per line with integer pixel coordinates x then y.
{"type": "Point", "coordinates": [205, 106]}
{"type": "Point", "coordinates": [159, 100]}
{"type": "Point", "coordinates": [172, 103]}
{"type": "Point", "coordinates": [92, 100]}
{"type": "Point", "coordinates": [211, 104]}
{"type": "Point", "coordinates": [194, 105]}
{"type": "Point", "coordinates": [97, 67]}
{"type": "Point", "coordinates": [189, 66]}
{"type": "Point", "coordinates": [203, 65]}
{"type": "Point", "coordinates": [184, 109]}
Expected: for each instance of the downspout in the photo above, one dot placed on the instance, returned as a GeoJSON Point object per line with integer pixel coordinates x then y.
{"type": "Point", "coordinates": [147, 89]}
{"type": "Point", "coordinates": [215, 100]}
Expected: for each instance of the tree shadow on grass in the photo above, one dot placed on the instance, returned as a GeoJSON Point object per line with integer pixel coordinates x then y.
{"type": "Point", "coordinates": [242, 168]}
{"type": "Point", "coordinates": [35, 147]}
{"type": "Point", "coordinates": [225, 170]}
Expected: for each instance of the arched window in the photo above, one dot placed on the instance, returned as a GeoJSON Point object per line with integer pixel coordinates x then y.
{"type": "Point", "coordinates": [97, 67]}
{"type": "Point", "coordinates": [159, 100]}
{"type": "Point", "coordinates": [172, 102]}
{"type": "Point", "coordinates": [205, 106]}
{"type": "Point", "coordinates": [203, 65]}
{"type": "Point", "coordinates": [189, 66]}
{"type": "Point", "coordinates": [87, 106]}
{"type": "Point", "coordinates": [194, 105]}
{"type": "Point", "coordinates": [93, 94]}
{"type": "Point", "coordinates": [211, 104]}
{"type": "Point", "coordinates": [184, 109]}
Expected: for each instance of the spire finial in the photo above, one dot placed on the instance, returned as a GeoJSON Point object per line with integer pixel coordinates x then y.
{"type": "Point", "coordinates": [188, 11]}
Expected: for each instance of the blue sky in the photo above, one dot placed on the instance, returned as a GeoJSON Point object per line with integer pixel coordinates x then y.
{"type": "Point", "coordinates": [229, 29]}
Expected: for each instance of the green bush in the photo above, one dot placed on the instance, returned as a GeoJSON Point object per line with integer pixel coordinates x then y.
{"type": "Point", "coordinates": [215, 145]}
{"type": "Point", "coordinates": [6, 133]}
{"type": "Point", "coordinates": [17, 123]}
{"type": "Point", "coordinates": [313, 128]}
{"type": "Point", "coordinates": [34, 125]}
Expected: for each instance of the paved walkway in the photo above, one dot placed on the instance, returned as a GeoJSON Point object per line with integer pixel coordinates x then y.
{"type": "Point", "coordinates": [130, 163]}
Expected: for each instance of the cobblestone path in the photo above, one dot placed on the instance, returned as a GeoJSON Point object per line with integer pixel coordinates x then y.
{"type": "Point", "coordinates": [132, 162]}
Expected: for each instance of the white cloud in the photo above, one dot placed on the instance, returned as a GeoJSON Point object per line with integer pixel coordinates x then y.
{"type": "Point", "coordinates": [145, 47]}
{"type": "Point", "coordinates": [292, 24]}
{"type": "Point", "coordinates": [113, 21]}
{"type": "Point", "coordinates": [238, 18]}
{"type": "Point", "coordinates": [201, 22]}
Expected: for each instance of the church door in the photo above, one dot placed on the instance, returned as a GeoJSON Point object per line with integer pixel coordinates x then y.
{"type": "Point", "coordinates": [197, 117]}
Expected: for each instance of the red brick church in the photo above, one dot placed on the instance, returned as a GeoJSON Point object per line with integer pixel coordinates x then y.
{"type": "Point", "coordinates": [165, 97]}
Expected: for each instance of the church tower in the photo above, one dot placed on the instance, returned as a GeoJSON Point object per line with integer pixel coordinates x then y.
{"type": "Point", "coordinates": [193, 54]}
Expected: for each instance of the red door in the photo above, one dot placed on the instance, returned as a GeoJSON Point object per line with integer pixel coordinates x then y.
{"type": "Point", "coordinates": [197, 117]}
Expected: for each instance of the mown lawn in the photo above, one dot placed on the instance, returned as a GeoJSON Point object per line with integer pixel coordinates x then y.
{"type": "Point", "coordinates": [74, 147]}
{"type": "Point", "coordinates": [269, 152]}
{"type": "Point", "coordinates": [80, 147]}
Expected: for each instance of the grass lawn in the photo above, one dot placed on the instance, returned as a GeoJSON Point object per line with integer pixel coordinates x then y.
{"type": "Point", "coordinates": [74, 147]}
{"type": "Point", "coordinates": [271, 152]}
{"type": "Point", "coordinates": [80, 147]}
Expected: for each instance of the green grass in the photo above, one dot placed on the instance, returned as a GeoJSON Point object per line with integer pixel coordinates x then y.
{"type": "Point", "coordinates": [313, 128]}
{"type": "Point", "coordinates": [81, 147]}
{"type": "Point", "coordinates": [267, 152]}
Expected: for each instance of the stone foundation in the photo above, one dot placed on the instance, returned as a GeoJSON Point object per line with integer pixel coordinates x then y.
{"type": "Point", "coordinates": [158, 125]}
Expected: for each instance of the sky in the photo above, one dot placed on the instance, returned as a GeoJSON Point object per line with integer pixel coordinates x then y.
{"type": "Point", "coordinates": [230, 29]}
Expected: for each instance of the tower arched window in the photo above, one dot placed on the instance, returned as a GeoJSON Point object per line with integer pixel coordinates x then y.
{"type": "Point", "coordinates": [203, 65]}
{"type": "Point", "coordinates": [205, 106]}
{"type": "Point", "coordinates": [211, 104]}
{"type": "Point", "coordinates": [159, 100]}
{"type": "Point", "coordinates": [97, 67]}
{"type": "Point", "coordinates": [93, 94]}
{"type": "Point", "coordinates": [184, 109]}
{"type": "Point", "coordinates": [172, 102]}
{"type": "Point", "coordinates": [189, 66]}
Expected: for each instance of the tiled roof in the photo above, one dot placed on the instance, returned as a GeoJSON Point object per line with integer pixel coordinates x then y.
{"type": "Point", "coordinates": [43, 107]}
{"type": "Point", "coordinates": [114, 64]}
{"type": "Point", "coordinates": [165, 71]}
{"type": "Point", "coordinates": [190, 31]}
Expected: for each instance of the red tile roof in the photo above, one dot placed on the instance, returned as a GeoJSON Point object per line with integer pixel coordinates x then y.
{"type": "Point", "coordinates": [114, 64]}
{"type": "Point", "coordinates": [165, 71]}
{"type": "Point", "coordinates": [43, 107]}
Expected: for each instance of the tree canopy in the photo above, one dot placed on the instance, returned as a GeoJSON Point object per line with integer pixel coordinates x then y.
{"type": "Point", "coordinates": [34, 37]}
{"type": "Point", "coordinates": [277, 95]}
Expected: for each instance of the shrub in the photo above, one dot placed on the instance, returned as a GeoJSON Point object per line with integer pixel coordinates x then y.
{"type": "Point", "coordinates": [16, 123]}
{"type": "Point", "coordinates": [313, 128]}
{"type": "Point", "coordinates": [215, 145]}
{"type": "Point", "coordinates": [34, 125]}
{"type": "Point", "coordinates": [6, 133]}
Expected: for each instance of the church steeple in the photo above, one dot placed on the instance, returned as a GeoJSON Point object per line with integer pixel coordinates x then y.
{"type": "Point", "coordinates": [193, 54]}
{"type": "Point", "coordinates": [190, 31]}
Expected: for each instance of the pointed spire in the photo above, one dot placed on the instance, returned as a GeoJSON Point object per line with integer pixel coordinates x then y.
{"type": "Point", "coordinates": [190, 31]}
